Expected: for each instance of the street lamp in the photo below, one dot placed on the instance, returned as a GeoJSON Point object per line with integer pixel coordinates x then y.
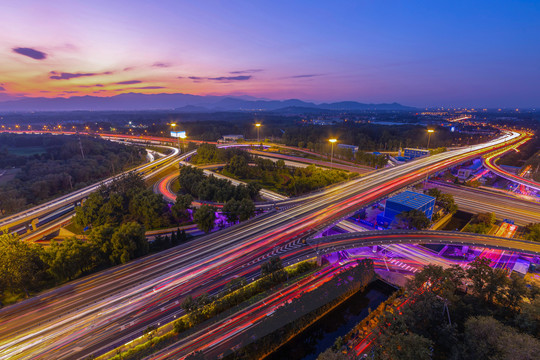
{"type": "Point", "coordinates": [182, 136]}
{"type": "Point", "coordinates": [258, 125]}
{"type": "Point", "coordinates": [430, 131]}
{"type": "Point", "coordinates": [173, 125]}
{"type": "Point", "coordinates": [332, 141]}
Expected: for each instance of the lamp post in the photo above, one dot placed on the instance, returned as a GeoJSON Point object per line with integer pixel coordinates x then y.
{"type": "Point", "coordinates": [332, 141]}
{"type": "Point", "coordinates": [430, 131]}
{"type": "Point", "coordinates": [173, 125]}
{"type": "Point", "coordinates": [182, 136]}
{"type": "Point", "coordinates": [258, 126]}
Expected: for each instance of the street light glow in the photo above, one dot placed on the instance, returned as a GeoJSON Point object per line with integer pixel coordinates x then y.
{"type": "Point", "coordinates": [332, 140]}
{"type": "Point", "coordinates": [431, 131]}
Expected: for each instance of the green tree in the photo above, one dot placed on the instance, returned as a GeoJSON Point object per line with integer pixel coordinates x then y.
{"type": "Point", "coordinates": [436, 193]}
{"type": "Point", "coordinates": [479, 273]}
{"type": "Point", "coordinates": [69, 258]}
{"type": "Point", "coordinates": [238, 166]}
{"type": "Point", "coordinates": [532, 232]}
{"type": "Point", "coordinates": [128, 242]}
{"type": "Point", "coordinates": [181, 206]}
{"type": "Point", "coordinates": [21, 265]}
{"type": "Point", "coordinates": [100, 240]}
{"type": "Point", "coordinates": [246, 209]}
{"type": "Point", "coordinates": [415, 219]}
{"type": "Point", "coordinates": [205, 217]}
{"type": "Point", "coordinates": [487, 338]}
{"type": "Point", "coordinates": [148, 209]}
{"type": "Point", "coordinates": [231, 210]}
{"type": "Point", "coordinates": [446, 201]}
{"type": "Point", "coordinates": [407, 346]}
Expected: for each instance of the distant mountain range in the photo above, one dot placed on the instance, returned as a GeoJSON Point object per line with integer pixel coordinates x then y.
{"type": "Point", "coordinates": [184, 102]}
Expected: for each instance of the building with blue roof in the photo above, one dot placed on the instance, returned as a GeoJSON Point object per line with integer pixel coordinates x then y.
{"type": "Point", "coordinates": [414, 153]}
{"type": "Point", "coordinates": [406, 201]}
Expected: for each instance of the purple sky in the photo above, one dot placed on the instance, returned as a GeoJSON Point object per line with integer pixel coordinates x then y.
{"type": "Point", "coordinates": [419, 53]}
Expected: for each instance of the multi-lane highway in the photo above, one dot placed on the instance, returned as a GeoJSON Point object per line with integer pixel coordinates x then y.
{"type": "Point", "coordinates": [521, 211]}
{"type": "Point", "coordinates": [93, 314]}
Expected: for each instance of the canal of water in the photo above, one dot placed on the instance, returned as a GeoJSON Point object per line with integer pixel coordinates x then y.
{"type": "Point", "coordinates": [322, 334]}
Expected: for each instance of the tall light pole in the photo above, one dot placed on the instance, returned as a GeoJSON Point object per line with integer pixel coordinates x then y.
{"type": "Point", "coordinates": [332, 141]}
{"type": "Point", "coordinates": [182, 136]}
{"type": "Point", "coordinates": [173, 125]}
{"type": "Point", "coordinates": [430, 131]}
{"type": "Point", "coordinates": [258, 126]}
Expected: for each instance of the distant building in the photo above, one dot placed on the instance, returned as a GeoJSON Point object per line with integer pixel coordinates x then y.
{"type": "Point", "coordinates": [231, 138]}
{"type": "Point", "coordinates": [345, 146]}
{"type": "Point", "coordinates": [406, 201]}
{"type": "Point", "coordinates": [414, 153]}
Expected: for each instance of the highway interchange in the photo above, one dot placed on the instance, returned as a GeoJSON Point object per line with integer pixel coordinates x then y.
{"type": "Point", "coordinates": [94, 314]}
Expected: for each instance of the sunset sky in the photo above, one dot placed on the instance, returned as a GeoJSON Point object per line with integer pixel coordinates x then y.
{"type": "Point", "coordinates": [419, 53]}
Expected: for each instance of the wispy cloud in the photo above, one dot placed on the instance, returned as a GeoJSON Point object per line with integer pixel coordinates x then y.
{"type": "Point", "coordinates": [66, 76]}
{"type": "Point", "coordinates": [2, 88]}
{"type": "Point", "coordinates": [231, 78]}
{"type": "Point", "coordinates": [219, 78]}
{"type": "Point", "coordinates": [89, 86]}
{"type": "Point", "coordinates": [31, 53]}
{"type": "Point", "coordinates": [149, 87]}
{"type": "Point", "coordinates": [161, 65]}
{"type": "Point", "coordinates": [304, 76]}
{"type": "Point", "coordinates": [249, 71]}
{"type": "Point", "coordinates": [128, 82]}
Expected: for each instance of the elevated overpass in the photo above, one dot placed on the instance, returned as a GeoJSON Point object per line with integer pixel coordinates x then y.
{"type": "Point", "coordinates": [334, 243]}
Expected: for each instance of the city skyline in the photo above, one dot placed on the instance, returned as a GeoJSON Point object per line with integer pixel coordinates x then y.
{"type": "Point", "coordinates": [420, 54]}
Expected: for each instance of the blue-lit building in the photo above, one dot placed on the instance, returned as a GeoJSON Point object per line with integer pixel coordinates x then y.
{"type": "Point", "coordinates": [406, 201]}
{"type": "Point", "coordinates": [414, 153]}
{"type": "Point", "coordinates": [353, 148]}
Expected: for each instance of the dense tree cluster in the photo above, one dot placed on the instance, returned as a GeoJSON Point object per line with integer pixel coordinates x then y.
{"type": "Point", "coordinates": [205, 218]}
{"type": "Point", "coordinates": [54, 165]}
{"type": "Point", "coordinates": [211, 154]}
{"type": "Point", "coordinates": [480, 223]}
{"type": "Point", "coordinates": [532, 232]}
{"type": "Point", "coordinates": [445, 201]}
{"type": "Point", "coordinates": [277, 176]}
{"type": "Point", "coordinates": [27, 267]}
{"type": "Point", "coordinates": [413, 219]}
{"type": "Point", "coordinates": [125, 199]}
{"type": "Point", "coordinates": [236, 210]}
{"type": "Point", "coordinates": [209, 188]}
{"type": "Point", "coordinates": [368, 137]}
{"type": "Point", "coordinates": [499, 318]}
